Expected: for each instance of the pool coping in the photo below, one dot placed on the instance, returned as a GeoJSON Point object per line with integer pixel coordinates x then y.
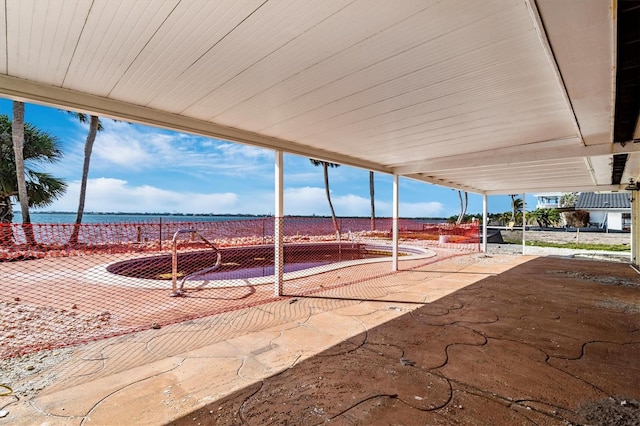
{"type": "Point", "coordinates": [100, 275]}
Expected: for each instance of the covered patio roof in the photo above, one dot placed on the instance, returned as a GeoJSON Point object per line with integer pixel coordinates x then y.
{"type": "Point", "coordinates": [493, 97]}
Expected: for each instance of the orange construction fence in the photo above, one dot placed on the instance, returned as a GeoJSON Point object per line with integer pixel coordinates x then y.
{"type": "Point", "coordinates": [118, 278]}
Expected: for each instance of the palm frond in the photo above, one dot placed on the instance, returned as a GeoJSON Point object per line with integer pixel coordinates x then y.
{"type": "Point", "coordinates": [320, 163]}
{"type": "Point", "coordinates": [39, 147]}
{"type": "Point", "coordinates": [86, 118]}
{"type": "Point", "coordinates": [43, 188]}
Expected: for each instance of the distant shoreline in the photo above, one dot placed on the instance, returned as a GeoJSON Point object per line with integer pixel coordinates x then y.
{"type": "Point", "coordinates": [150, 214]}
{"type": "Point", "coordinates": [112, 217]}
{"type": "Point", "coordinates": [17, 213]}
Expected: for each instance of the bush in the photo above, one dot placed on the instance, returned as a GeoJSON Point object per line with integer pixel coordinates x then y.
{"type": "Point", "coordinates": [577, 218]}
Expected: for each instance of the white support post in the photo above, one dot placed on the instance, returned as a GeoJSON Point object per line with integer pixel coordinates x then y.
{"type": "Point", "coordinates": [635, 228]}
{"type": "Point", "coordinates": [279, 225]}
{"type": "Point", "coordinates": [395, 213]}
{"type": "Point", "coordinates": [524, 220]}
{"type": "Point", "coordinates": [484, 223]}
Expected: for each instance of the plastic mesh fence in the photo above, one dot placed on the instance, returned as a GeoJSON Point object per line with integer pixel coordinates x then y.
{"type": "Point", "coordinates": [119, 278]}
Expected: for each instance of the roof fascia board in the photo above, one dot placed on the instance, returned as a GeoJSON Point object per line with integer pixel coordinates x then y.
{"type": "Point", "coordinates": [506, 191]}
{"type": "Point", "coordinates": [514, 155]}
{"type": "Point", "coordinates": [444, 183]}
{"type": "Point", "coordinates": [519, 190]}
{"type": "Point", "coordinates": [24, 90]}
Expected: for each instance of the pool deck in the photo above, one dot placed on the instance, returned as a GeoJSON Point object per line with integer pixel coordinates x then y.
{"type": "Point", "coordinates": [149, 377]}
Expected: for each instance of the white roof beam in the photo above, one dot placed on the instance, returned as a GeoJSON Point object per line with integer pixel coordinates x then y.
{"type": "Point", "coordinates": [544, 42]}
{"type": "Point", "coordinates": [23, 90]}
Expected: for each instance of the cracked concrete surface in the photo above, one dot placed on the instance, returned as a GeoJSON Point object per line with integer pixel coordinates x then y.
{"type": "Point", "coordinates": [521, 347]}
{"type": "Point", "coordinates": [468, 340]}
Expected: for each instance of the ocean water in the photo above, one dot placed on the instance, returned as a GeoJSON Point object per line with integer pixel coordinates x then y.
{"type": "Point", "coordinates": [147, 227]}
{"type": "Point", "coordinates": [125, 217]}
{"type": "Point", "coordinates": [55, 217]}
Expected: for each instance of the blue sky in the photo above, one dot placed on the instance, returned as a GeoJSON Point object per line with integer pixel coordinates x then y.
{"type": "Point", "coordinates": [137, 168]}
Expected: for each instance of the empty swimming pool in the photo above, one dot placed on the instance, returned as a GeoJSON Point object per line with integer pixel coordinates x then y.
{"type": "Point", "coordinates": [242, 263]}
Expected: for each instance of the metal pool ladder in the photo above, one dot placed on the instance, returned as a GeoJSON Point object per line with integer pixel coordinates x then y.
{"type": "Point", "coordinates": [177, 292]}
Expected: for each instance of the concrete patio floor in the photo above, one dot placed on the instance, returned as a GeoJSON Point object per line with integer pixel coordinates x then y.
{"type": "Point", "coordinates": [474, 339]}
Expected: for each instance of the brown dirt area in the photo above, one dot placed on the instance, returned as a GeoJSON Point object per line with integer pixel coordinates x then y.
{"type": "Point", "coordinates": [551, 342]}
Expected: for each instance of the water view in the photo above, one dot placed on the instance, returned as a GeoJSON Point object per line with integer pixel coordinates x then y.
{"type": "Point", "coordinates": [69, 217]}
{"type": "Point", "coordinates": [87, 218]}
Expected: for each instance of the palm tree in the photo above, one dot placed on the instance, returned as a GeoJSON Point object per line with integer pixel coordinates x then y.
{"type": "Point", "coordinates": [17, 136]}
{"type": "Point", "coordinates": [94, 127]}
{"type": "Point", "coordinates": [516, 206]}
{"type": "Point", "coordinates": [373, 204]}
{"type": "Point", "coordinates": [544, 217]}
{"type": "Point", "coordinates": [325, 167]}
{"type": "Point", "coordinates": [505, 218]}
{"type": "Point", "coordinates": [41, 188]}
{"type": "Point", "coordinates": [569, 199]}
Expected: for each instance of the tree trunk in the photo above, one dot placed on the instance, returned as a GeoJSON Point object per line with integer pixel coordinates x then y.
{"type": "Point", "coordinates": [17, 130]}
{"type": "Point", "coordinates": [88, 147]}
{"type": "Point", "coordinates": [6, 217]}
{"type": "Point", "coordinates": [466, 204]}
{"type": "Point", "coordinates": [373, 204]}
{"type": "Point", "coordinates": [513, 207]}
{"type": "Point", "coordinates": [325, 168]}
{"type": "Point", "coordinates": [463, 206]}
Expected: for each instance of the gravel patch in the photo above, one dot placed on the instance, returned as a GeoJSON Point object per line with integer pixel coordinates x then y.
{"type": "Point", "coordinates": [28, 328]}
{"type": "Point", "coordinates": [23, 377]}
{"type": "Point", "coordinates": [613, 411]}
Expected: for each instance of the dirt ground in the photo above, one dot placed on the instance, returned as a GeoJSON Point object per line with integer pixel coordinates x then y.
{"type": "Point", "coordinates": [551, 342]}
{"type": "Point", "coordinates": [569, 237]}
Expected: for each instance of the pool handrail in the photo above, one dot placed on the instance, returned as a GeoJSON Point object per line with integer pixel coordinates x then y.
{"type": "Point", "coordinates": [174, 261]}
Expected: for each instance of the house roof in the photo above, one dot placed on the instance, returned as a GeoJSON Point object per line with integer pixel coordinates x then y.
{"type": "Point", "coordinates": [603, 201]}
{"type": "Point", "coordinates": [493, 97]}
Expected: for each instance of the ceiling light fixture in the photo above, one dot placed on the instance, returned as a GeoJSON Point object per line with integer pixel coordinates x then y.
{"type": "Point", "coordinates": [633, 186]}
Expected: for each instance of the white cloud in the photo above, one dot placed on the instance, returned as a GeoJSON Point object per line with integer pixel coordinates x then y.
{"type": "Point", "coordinates": [116, 195]}
{"type": "Point", "coordinates": [352, 205]}
{"type": "Point", "coordinates": [313, 200]}
{"type": "Point", "coordinates": [239, 150]}
{"type": "Point", "coordinates": [145, 149]}
{"type": "Point", "coordinates": [423, 209]}
{"type": "Point", "coordinates": [305, 201]}
{"type": "Point", "coordinates": [114, 149]}
{"type": "Point", "coordinates": [302, 178]}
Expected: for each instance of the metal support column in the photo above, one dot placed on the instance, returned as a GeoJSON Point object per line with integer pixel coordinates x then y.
{"type": "Point", "coordinates": [394, 261]}
{"type": "Point", "coordinates": [484, 223]}
{"type": "Point", "coordinates": [635, 228]}
{"type": "Point", "coordinates": [524, 219]}
{"type": "Point", "coordinates": [279, 225]}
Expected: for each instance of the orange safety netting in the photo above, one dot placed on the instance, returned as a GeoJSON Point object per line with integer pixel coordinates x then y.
{"type": "Point", "coordinates": [119, 277]}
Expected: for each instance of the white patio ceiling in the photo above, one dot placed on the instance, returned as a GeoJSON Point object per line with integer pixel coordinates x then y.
{"type": "Point", "coordinates": [494, 97]}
